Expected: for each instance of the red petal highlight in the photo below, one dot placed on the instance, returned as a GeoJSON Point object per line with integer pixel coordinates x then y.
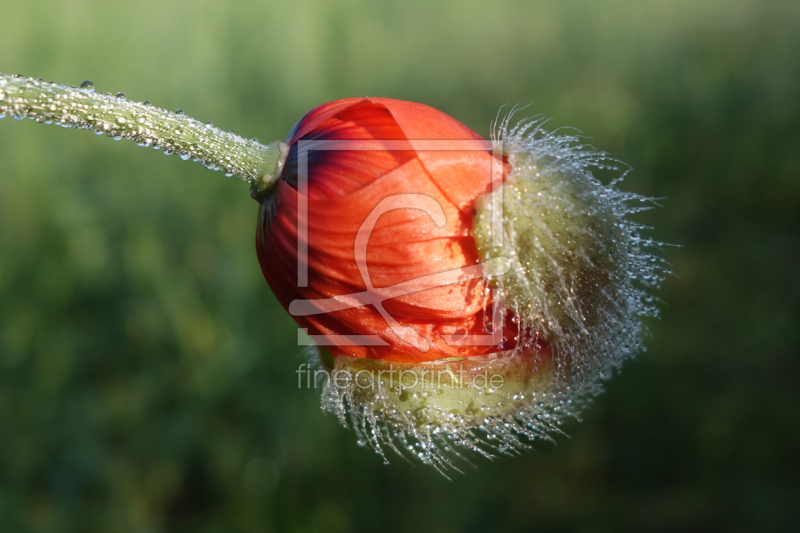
{"type": "Point", "coordinates": [333, 173]}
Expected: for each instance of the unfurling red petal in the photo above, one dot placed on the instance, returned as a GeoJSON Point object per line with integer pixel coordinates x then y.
{"type": "Point", "coordinates": [344, 187]}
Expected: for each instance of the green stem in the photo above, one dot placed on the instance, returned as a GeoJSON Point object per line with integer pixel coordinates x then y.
{"type": "Point", "coordinates": [113, 116]}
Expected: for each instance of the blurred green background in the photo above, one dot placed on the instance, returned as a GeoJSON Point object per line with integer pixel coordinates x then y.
{"type": "Point", "coordinates": [147, 374]}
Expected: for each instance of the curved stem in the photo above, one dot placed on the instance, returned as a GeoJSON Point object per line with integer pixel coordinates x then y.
{"type": "Point", "coordinates": [113, 116]}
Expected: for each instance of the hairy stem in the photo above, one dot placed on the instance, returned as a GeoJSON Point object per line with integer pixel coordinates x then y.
{"type": "Point", "coordinates": [113, 116]}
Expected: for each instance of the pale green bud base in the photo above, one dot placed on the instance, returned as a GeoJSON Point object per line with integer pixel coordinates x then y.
{"type": "Point", "coordinates": [428, 393]}
{"type": "Point", "coordinates": [489, 404]}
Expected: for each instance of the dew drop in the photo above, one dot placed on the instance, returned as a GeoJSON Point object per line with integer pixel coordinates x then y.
{"type": "Point", "coordinates": [122, 96]}
{"type": "Point", "coordinates": [88, 85]}
{"type": "Point", "coordinates": [179, 112]}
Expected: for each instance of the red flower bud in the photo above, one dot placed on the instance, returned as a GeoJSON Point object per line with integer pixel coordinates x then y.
{"type": "Point", "coordinates": [460, 285]}
{"type": "Point", "coordinates": [344, 187]}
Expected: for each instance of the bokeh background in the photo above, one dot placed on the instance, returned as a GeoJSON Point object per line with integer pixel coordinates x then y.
{"type": "Point", "coordinates": [147, 374]}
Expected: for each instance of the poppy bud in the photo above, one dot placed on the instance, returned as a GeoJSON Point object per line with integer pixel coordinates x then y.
{"type": "Point", "coordinates": [461, 286]}
{"type": "Point", "coordinates": [471, 293]}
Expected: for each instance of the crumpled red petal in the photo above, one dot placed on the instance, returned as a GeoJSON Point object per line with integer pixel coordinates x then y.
{"type": "Point", "coordinates": [405, 244]}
